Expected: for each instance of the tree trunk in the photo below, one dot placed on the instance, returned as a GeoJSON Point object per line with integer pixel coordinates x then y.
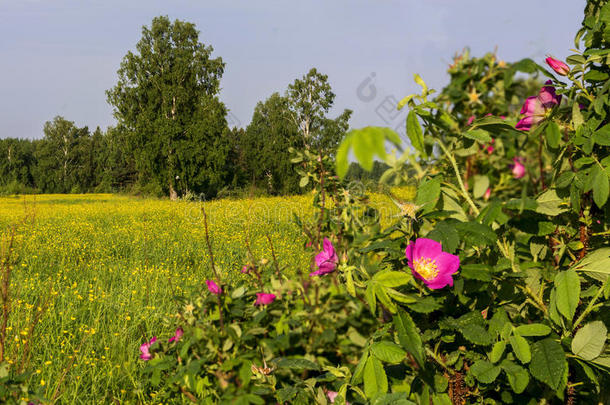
{"type": "Point", "coordinates": [172, 192]}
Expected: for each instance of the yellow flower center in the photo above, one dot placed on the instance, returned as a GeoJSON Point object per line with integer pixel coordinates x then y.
{"type": "Point", "coordinates": [426, 268]}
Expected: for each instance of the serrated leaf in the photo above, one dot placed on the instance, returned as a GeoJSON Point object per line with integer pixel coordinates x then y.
{"type": "Point", "coordinates": [553, 136]}
{"type": "Point", "coordinates": [549, 203]}
{"type": "Point", "coordinates": [600, 188]}
{"type": "Point", "coordinates": [518, 377]}
{"type": "Point", "coordinates": [375, 378]}
{"type": "Point", "coordinates": [533, 329]}
{"type": "Point", "coordinates": [595, 264]}
{"type": "Point", "coordinates": [428, 193]}
{"type": "Point", "coordinates": [475, 233]}
{"type": "Point", "coordinates": [415, 133]}
{"type": "Point", "coordinates": [359, 371]}
{"type": "Point", "coordinates": [389, 278]}
{"type": "Point", "coordinates": [426, 305]}
{"type": "Point", "coordinates": [370, 298]}
{"type": "Point", "coordinates": [521, 348]}
{"type": "Point", "coordinates": [589, 341]}
{"type": "Point", "coordinates": [577, 118]}
{"type": "Point", "coordinates": [409, 337]}
{"type": "Point", "coordinates": [404, 101]}
{"type": "Point", "coordinates": [497, 351]}
{"type": "Point", "coordinates": [548, 362]}
{"type": "Point", "coordinates": [485, 371]}
{"type": "Point", "coordinates": [387, 351]}
{"type": "Point", "coordinates": [479, 135]}
{"type": "Point", "coordinates": [567, 285]}
{"type": "Point", "coordinates": [297, 364]}
{"type": "Point", "coordinates": [476, 334]}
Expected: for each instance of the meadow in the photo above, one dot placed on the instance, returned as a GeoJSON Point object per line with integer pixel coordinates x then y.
{"type": "Point", "coordinates": [105, 272]}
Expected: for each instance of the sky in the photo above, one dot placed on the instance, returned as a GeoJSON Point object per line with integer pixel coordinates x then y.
{"type": "Point", "coordinates": [58, 57]}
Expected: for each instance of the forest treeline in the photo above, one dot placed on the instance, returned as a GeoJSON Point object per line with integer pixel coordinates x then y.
{"type": "Point", "coordinates": [172, 135]}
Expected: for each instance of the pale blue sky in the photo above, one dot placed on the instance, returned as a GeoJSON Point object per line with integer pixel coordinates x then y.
{"type": "Point", "coordinates": [57, 57]}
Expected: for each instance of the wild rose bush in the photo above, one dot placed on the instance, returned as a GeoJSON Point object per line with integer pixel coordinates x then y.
{"type": "Point", "coordinates": [491, 287]}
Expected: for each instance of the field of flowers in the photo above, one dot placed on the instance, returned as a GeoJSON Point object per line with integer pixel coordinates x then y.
{"type": "Point", "coordinates": [103, 272]}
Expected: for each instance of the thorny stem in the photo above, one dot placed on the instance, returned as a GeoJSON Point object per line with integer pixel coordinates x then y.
{"type": "Point", "coordinates": [590, 306]}
{"type": "Point", "coordinates": [459, 177]}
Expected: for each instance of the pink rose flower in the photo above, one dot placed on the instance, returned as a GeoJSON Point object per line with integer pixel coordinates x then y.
{"type": "Point", "coordinates": [213, 287]}
{"type": "Point", "coordinates": [430, 264]}
{"type": "Point", "coordinates": [264, 299]}
{"type": "Point", "coordinates": [177, 335]}
{"type": "Point", "coordinates": [326, 260]}
{"type": "Point", "coordinates": [558, 66]}
{"type": "Point", "coordinates": [487, 194]}
{"type": "Point", "coordinates": [517, 168]}
{"type": "Point", "coordinates": [145, 349]}
{"type": "Point", "coordinates": [536, 107]}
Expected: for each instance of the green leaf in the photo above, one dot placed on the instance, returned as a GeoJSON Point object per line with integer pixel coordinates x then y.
{"type": "Point", "coordinates": [428, 193]}
{"type": "Point", "coordinates": [553, 136]}
{"type": "Point", "coordinates": [567, 284]}
{"type": "Point", "coordinates": [359, 371]}
{"type": "Point", "coordinates": [404, 101]}
{"type": "Point", "coordinates": [497, 351]}
{"type": "Point", "coordinates": [595, 264]}
{"type": "Point", "coordinates": [369, 294]}
{"type": "Point", "coordinates": [426, 305]}
{"type": "Point", "coordinates": [395, 398]}
{"type": "Point", "coordinates": [521, 348]}
{"type": "Point", "coordinates": [389, 278]}
{"type": "Point", "coordinates": [476, 334]}
{"type": "Point", "coordinates": [475, 233]}
{"type": "Point", "coordinates": [481, 184]}
{"type": "Point", "coordinates": [304, 181]}
{"type": "Point", "coordinates": [480, 272]}
{"type": "Point", "coordinates": [548, 362]}
{"type": "Point", "coordinates": [518, 377]}
{"type": "Point", "coordinates": [589, 341]}
{"type": "Point", "coordinates": [409, 337]}
{"type": "Point", "coordinates": [384, 298]}
{"type": "Point", "coordinates": [577, 118]}
{"type": "Point", "coordinates": [600, 188]}
{"type": "Point", "coordinates": [415, 133]}
{"type": "Point", "coordinates": [485, 371]}
{"type": "Point", "coordinates": [297, 364]}
{"type": "Point", "coordinates": [387, 351]}
{"type": "Point", "coordinates": [602, 135]}
{"type": "Point", "coordinates": [549, 203]}
{"type": "Point", "coordinates": [375, 379]}
{"type": "Point", "coordinates": [421, 82]}
{"type": "Point", "coordinates": [479, 135]}
{"type": "Point", "coordinates": [366, 143]}
{"type": "Point", "coordinates": [533, 329]}
{"type": "Point", "coordinates": [445, 233]}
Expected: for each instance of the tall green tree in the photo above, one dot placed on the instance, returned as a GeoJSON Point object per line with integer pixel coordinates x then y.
{"type": "Point", "coordinates": [265, 143]}
{"type": "Point", "coordinates": [166, 101]}
{"type": "Point", "coordinates": [16, 161]}
{"type": "Point", "coordinates": [310, 99]}
{"type": "Point", "coordinates": [59, 156]}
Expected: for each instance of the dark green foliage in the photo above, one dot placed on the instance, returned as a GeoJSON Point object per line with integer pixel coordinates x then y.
{"type": "Point", "coordinates": [166, 103]}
